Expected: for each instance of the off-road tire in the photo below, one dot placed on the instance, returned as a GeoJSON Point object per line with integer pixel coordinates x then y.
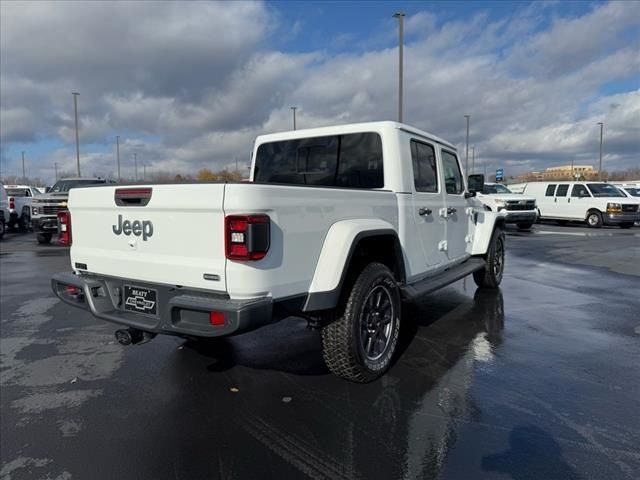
{"type": "Point", "coordinates": [525, 226]}
{"type": "Point", "coordinates": [342, 347]}
{"type": "Point", "coordinates": [491, 275]}
{"type": "Point", "coordinates": [43, 238]}
{"type": "Point", "coordinates": [594, 219]}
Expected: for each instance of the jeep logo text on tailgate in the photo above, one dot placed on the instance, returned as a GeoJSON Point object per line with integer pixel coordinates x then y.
{"type": "Point", "coordinates": [137, 227]}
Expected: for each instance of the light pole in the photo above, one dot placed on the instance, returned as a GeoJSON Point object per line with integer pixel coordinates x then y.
{"type": "Point", "coordinates": [144, 171]}
{"type": "Point", "coordinates": [293, 109]}
{"type": "Point", "coordinates": [55, 166]}
{"type": "Point", "coordinates": [135, 162]}
{"type": "Point", "coordinates": [473, 159]}
{"type": "Point", "coordinates": [24, 177]}
{"type": "Point", "coordinates": [466, 163]}
{"type": "Point", "coordinates": [601, 132]}
{"type": "Point", "coordinates": [75, 110]}
{"type": "Point", "coordinates": [118, 154]}
{"type": "Point", "coordinates": [400, 17]}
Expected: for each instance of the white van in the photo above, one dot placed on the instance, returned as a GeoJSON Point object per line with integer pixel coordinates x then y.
{"type": "Point", "coordinates": [593, 202]}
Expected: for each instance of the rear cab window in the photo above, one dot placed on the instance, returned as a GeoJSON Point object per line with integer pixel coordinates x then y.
{"type": "Point", "coordinates": [425, 168]}
{"type": "Point", "coordinates": [349, 161]}
{"type": "Point", "coordinates": [452, 175]}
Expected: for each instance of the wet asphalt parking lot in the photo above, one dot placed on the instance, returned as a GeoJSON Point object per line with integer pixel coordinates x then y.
{"type": "Point", "coordinates": [540, 380]}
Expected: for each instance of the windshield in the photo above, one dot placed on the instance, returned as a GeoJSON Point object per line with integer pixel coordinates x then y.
{"type": "Point", "coordinates": [66, 185]}
{"type": "Point", "coordinates": [495, 188]}
{"type": "Point", "coordinates": [604, 190]}
{"type": "Point", "coordinates": [18, 192]}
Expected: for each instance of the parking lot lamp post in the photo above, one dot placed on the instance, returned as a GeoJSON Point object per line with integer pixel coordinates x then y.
{"type": "Point", "coordinates": [400, 17]}
{"type": "Point", "coordinates": [466, 162]}
{"type": "Point", "coordinates": [473, 159]}
{"type": "Point", "coordinates": [293, 109]}
{"type": "Point", "coordinates": [24, 177]}
{"type": "Point", "coordinates": [55, 166]}
{"type": "Point", "coordinates": [601, 132]}
{"type": "Point", "coordinates": [75, 110]}
{"type": "Point", "coordinates": [135, 163]}
{"type": "Point", "coordinates": [118, 154]}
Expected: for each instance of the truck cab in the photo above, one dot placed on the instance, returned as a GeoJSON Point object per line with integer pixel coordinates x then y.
{"type": "Point", "coordinates": [338, 224]}
{"type": "Point", "coordinates": [520, 209]}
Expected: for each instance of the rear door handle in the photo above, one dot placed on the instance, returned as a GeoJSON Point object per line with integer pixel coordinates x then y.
{"type": "Point", "coordinates": [451, 211]}
{"type": "Point", "coordinates": [424, 211]}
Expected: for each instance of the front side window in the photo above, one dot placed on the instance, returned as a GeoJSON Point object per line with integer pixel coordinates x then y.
{"type": "Point", "coordinates": [352, 161]}
{"type": "Point", "coordinates": [579, 190]}
{"type": "Point", "coordinates": [452, 175]}
{"type": "Point", "coordinates": [634, 192]}
{"type": "Point", "coordinates": [425, 170]}
{"type": "Point", "coordinates": [562, 190]}
{"type": "Point", "coordinates": [551, 189]}
{"type": "Point", "coordinates": [604, 190]}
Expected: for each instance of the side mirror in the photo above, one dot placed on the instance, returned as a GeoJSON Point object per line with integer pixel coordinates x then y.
{"type": "Point", "coordinates": [475, 184]}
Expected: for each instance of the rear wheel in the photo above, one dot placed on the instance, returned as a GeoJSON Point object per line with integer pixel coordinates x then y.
{"type": "Point", "coordinates": [2, 227]}
{"type": "Point", "coordinates": [359, 344]}
{"type": "Point", "coordinates": [594, 219]}
{"type": "Point", "coordinates": [491, 275]}
{"type": "Point", "coordinates": [25, 222]}
{"type": "Point", "coordinates": [43, 238]}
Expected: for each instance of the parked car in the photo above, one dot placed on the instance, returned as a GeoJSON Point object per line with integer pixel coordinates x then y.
{"type": "Point", "coordinates": [632, 191]}
{"type": "Point", "coordinates": [45, 208]}
{"type": "Point", "coordinates": [4, 210]}
{"type": "Point", "coordinates": [595, 203]}
{"type": "Point", "coordinates": [338, 225]}
{"type": "Point", "coordinates": [20, 198]}
{"type": "Point", "coordinates": [520, 209]}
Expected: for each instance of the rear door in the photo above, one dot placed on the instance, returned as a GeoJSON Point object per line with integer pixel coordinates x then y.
{"type": "Point", "coordinates": [455, 206]}
{"type": "Point", "coordinates": [428, 201]}
{"type": "Point", "coordinates": [171, 234]}
{"type": "Point", "coordinates": [561, 202]}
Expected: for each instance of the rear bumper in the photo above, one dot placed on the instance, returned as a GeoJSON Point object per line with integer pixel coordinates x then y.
{"type": "Point", "coordinates": [180, 311]}
{"type": "Point", "coordinates": [520, 216]}
{"type": "Point", "coordinates": [45, 224]}
{"type": "Point", "coordinates": [618, 218]}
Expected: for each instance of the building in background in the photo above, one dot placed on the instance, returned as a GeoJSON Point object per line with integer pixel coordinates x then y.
{"type": "Point", "coordinates": [563, 172]}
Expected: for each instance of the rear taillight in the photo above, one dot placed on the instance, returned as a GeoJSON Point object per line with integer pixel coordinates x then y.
{"type": "Point", "coordinates": [12, 203]}
{"type": "Point", "coordinates": [64, 221]}
{"type": "Point", "coordinates": [247, 237]}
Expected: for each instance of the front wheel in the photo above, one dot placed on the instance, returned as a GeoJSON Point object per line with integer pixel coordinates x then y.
{"type": "Point", "coordinates": [359, 344]}
{"type": "Point", "coordinates": [491, 275]}
{"type": "Point", "coordinates": [594, 219]}
{"type": "Point", "coordinates": [43, 238]}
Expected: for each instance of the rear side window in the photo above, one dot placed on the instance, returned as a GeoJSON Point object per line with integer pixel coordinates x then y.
{"type": "Point", "coordinates": [562, 190]}
{"type": "Point", "coordinates": [580, 190]}
{"type": "Point", "coordinates": [452, 175]}
{"type": "Point", "coordinates": [352, 161]}
{"type": "Point", "coordinates": [550, 190]}
{"type": "Point", "coordinates": [425, 170]}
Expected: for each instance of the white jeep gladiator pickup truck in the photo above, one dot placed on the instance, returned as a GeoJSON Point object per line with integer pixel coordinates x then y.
{"type": "Point", "coordinates": [338, 225]}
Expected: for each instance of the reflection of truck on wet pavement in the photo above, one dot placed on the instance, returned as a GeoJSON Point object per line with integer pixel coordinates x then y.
{"type": "Point", "coordinates": [45, 208]}
{"type": "Point", "coordinates": [338, 225]}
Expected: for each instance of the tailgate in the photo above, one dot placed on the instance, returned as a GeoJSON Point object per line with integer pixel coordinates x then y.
{"type": "Point", "coordinates": [171, 234]}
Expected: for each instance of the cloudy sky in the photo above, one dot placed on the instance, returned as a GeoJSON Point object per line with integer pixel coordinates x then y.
{"type": "Point", "coordinates": [189, 85]}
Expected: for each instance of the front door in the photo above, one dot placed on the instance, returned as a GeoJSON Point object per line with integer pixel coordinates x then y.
{"type": "Point", "coordinates": [428, 201]}
{"type": "Point", "coordinates": [455, 212]}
